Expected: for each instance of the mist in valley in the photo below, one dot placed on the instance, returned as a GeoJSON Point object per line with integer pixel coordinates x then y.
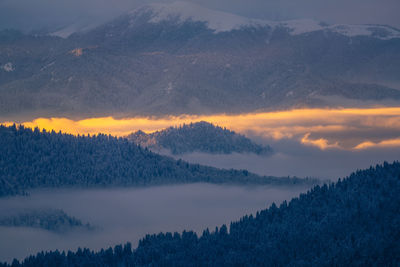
{"type": "Point", "coordinates": [290, 158]}
{"type": "Point", "coordinates": [127, 215]}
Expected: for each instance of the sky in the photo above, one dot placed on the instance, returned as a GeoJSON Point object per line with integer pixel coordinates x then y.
{"type": "Point", "coordinates": [28, 15]}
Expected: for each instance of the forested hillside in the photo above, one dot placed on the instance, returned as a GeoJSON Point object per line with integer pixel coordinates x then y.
{"type": "Point", "coordinates": [199, 137]}
{"type": "Point", "coordinates": [48, 219]}
{"type": "Point", "coordinates": [354, 222]}
{"type": "Point", "coordinates": [176, 64]}
{"type": "Point", "coordinates": [34, 159]}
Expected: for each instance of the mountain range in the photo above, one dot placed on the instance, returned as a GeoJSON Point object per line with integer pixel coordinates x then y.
{"type": "Point", "coordinates": [181, 58]}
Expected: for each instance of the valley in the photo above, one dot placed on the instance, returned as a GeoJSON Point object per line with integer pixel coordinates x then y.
{"type": "Point", "coordinates": [199, 133]}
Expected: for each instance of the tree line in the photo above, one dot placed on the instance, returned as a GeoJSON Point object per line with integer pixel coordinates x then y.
{"type": "Point", "coordinates": [30, 158]}
{"type": "Point", "coordinates": [353, 222]}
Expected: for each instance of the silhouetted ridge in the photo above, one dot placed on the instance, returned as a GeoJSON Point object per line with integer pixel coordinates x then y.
{"type": "Point", "coordinates": [33, 159]}
{"type": "Point", "coordinates": [199, 137]}
{"type": "Point", "coordinates": [354, 222]}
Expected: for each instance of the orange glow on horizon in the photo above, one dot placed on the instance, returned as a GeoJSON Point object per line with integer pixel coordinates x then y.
{"type": "Point", "coordinates": [351, 128]}
{"type": "Point", "coordinates": [384, 143]}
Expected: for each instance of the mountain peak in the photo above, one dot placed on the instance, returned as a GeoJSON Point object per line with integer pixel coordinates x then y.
{"type": "Point", "coordinates": [184, 11]}
{"type": "Point", "coordinates": [220, 21]}
{"type": "Point", "coordinates": [181, 12]}
{"type": "Point", "coordinates": [195, 137]}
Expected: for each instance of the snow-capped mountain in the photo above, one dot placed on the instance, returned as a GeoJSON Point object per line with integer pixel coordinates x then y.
{"type": "Point", "coordinates": [183, 58]}
{"type": "Point", "coordinates": [181, 12]}
{"type": "Point", "coordinates": [80, 26]}
{"type": "Point", "coordinates": [218, 21]}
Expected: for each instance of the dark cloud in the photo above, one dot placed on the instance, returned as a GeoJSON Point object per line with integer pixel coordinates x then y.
{"type": "Point", "coordinates": [44, 14]}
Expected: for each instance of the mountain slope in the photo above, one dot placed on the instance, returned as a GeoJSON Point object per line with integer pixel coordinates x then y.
{"type": "Point", "coordinates": [175, 59]}
{"type": "Point", "coordinates": [33, 159]}
{"type": "Point", "coordinates": [354, 222]}
{"type": "Point", "coordinates": [198, 137]}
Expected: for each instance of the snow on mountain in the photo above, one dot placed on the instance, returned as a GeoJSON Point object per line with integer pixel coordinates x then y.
{"type": "Point", "coordinates": [79, 26]}
{"type": "Point", "coordinates": [65, 32]}
{"type": "Point", "coordinates": [223, 22]}
{"type": "Point", "coordinates": [218, 21]}
{"type": "Point", "coordinates": [377, 31]}
{"type": "Point", "coordinates": [184, 11]}
{"type": "Point", "coordinates": [297, 27]}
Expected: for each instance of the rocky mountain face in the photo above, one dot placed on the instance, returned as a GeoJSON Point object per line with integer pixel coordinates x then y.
{"type": "Point", "coordinates": [181, 58]}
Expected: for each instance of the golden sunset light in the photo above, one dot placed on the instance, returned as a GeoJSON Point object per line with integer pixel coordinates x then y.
{"type": "Point", "coordinates": [324, 128]}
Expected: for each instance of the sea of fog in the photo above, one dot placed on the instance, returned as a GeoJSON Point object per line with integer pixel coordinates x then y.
{"type": "Point", "coordinates": [123, 215]}
{"type": "Point", "coordinates": [293, 159]}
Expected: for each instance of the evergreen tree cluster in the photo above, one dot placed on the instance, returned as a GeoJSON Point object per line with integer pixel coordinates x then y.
{"type": "Point", "coordinates": [354, 222]}
{"type": "Point", "coordinates": [34, 159]}
{"type": "Point", "coordinates": [199, 137]}
{"type": "Point", "coordinates": [52, 220]}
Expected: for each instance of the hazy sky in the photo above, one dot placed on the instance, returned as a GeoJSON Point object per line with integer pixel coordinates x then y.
{"type": "Point", "coordinates": [42, 14]}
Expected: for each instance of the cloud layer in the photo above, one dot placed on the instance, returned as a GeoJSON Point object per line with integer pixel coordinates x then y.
{"type": "Point", "coordinates": [123, 215]}
{"type": "Point", "coordinates": [349, 129]}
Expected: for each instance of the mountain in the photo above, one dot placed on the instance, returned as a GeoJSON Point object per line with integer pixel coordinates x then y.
{"type": "Point", "coordinates": [32, 159]}
{"type": "Point", "coordinates": [198, 137]}
{"type": "Point", "coordinates": [180, 58]}
{"type": "Point", "coordinates": [354, 222]}
{"type": "Point", "coordinates": [182, 12]}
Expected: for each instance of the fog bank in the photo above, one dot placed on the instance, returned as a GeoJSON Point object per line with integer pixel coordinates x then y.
{"type": "Point", "coordinates": [293, 159]}
{"type": "Point", "coordinates": [123, 215]}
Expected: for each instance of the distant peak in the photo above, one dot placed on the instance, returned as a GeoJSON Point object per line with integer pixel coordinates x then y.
{"type": "Point", "coordinates": [184, 11]}
{"type": "Point", "coordinates": [219, 21]}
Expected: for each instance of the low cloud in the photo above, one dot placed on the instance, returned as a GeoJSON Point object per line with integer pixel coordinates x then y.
{"type": "Point", "coordinates": [383, 144]}
{"type": "Point", "coordinates": [123, 215]}
{"type": "Point", "coordinates": [320, 143]}
{"type": "Point", "coordinates": [295, 159]}
{"type": "Point", "coordinates": [348, 129]}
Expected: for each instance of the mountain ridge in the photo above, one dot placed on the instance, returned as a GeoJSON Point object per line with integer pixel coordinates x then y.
{"type": "Point", "coordinates": [33, 159]}
{"type": "Point", "coordinates": [198, 137]}
{"type": "Point", "coordinates": [220, 21]}
{"type": "Point", "coordinates": [131, 66]}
